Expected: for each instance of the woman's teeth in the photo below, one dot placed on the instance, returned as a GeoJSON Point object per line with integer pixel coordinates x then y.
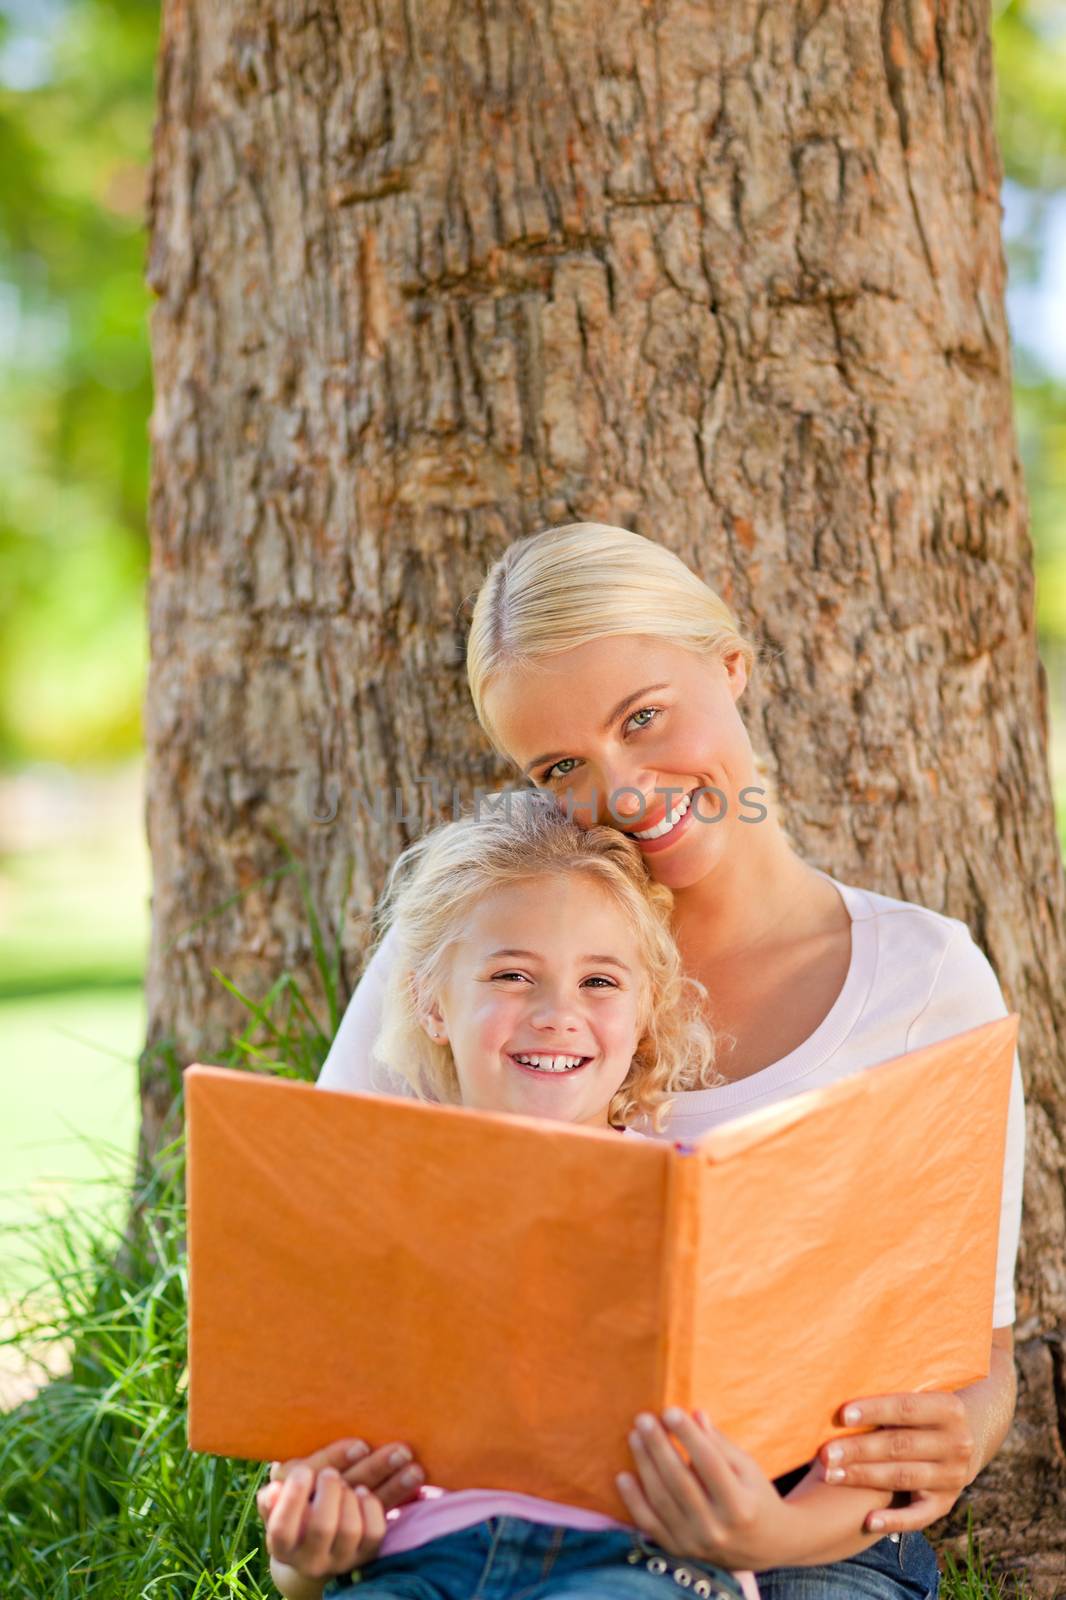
{"type": "Point", "coordinates": [552, 1063]}
{"type": "Point", "coordinates": [671, 820]}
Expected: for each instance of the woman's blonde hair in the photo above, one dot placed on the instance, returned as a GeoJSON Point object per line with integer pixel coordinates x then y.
{"type": "Point", "coordinates": [564, 587]}
{"type": "Point", "coordinates": [521, 835]}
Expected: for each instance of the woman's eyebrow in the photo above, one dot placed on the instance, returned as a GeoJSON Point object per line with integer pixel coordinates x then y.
{"type": "Point", "coordinates": [558, 755]}
{"type": "Point", "coordinates": [605, 961]}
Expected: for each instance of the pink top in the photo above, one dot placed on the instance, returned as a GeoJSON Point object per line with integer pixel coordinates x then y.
{"type": "Point", "coordinates": [436, 1513]}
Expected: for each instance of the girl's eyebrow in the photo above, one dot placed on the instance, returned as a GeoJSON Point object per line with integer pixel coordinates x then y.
{"type": "Point", "coordinates": [605, 961]}
{"type": "Point", "coordinates": [558, 755]}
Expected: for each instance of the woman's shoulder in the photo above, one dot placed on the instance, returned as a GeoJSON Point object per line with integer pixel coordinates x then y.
{"type": "Point", "coordinates": [930, 955]}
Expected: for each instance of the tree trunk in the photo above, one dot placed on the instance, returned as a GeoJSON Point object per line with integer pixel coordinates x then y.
{"type": "Point", "coordinates": [432, 276]}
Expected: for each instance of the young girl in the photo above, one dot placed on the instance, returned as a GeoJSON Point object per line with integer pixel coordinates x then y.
{"type": "Point", "coordinates": [536, 974]}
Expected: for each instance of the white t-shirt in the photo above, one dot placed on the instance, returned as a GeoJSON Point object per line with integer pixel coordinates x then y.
{"type": "Point", "coordinates": [915, 977]}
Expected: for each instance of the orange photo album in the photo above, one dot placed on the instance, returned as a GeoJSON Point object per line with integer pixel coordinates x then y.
{"type": "Point", "coordinates": [506, 1294]}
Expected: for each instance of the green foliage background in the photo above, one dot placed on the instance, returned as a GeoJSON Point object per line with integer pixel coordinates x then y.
{"type": "Point", "coordinates": [76, 111]}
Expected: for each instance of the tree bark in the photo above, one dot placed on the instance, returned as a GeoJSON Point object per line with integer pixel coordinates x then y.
{"type": "Point", "coordinates": [432, 276]}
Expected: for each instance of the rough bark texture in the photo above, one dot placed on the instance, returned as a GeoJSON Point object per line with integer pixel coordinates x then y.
{"type": "Point", "coordinates": [432, 276]}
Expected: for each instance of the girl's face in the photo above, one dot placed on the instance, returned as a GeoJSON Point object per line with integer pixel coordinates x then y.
{"type": "Point", "coordinates": [625, 720]}
{"type": "Point", "coordinates": [546, 969]}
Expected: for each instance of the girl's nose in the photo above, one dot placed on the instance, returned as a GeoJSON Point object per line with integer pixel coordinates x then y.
{"type": "Point", "coordinates": [555, 1016]}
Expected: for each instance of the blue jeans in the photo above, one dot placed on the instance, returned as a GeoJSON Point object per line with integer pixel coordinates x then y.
{"type": "Point", "coordinates": [508, 1558]}
{"type": "Point", "coordinates": [892, 1569]}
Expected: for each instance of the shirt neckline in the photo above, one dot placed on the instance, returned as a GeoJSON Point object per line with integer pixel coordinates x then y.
{"type": "Point", "coordinates": [827, 1037]}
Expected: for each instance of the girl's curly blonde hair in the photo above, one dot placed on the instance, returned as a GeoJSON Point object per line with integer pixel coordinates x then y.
{"type": "Point", "coordinates": [519, 835]}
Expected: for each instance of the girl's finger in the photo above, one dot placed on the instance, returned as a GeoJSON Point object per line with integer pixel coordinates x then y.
{"type": "Point", "coordinates": [639, 1509]}
{"type": "Point", "coordinates": [373, 1524]}
{"type": "Point", "coordinates": [325, 1514]}
{"type": "Point", "coordinates": [348, 1538]}
{"type": "Point", "coordinates": [710, 1462]}
{"type": "Point", "coordinates": [669, 1514]}
{"type": "Point", "coordinates": [389, 1472]}
{"type": "Point", "coordinates": [283, 1529]}
{"type": "Point", "coordinates": [339, 1454]}
{"type": "Point", "coordinates": [668, 1486]}
{"type": "Point", "coordinates": [267, 1498]}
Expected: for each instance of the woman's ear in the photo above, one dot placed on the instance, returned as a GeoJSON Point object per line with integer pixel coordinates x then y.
{"type": "Point", "coordinates": [736, 673]}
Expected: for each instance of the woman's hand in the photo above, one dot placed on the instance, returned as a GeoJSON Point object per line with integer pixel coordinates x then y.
{"type": "Point", "coordinates": [318, 1525]}
{"type": "Point", "coordinates": [928, 1445]}
{"type": "Point", "coordinates": [921, 1443]}
{"type": "Point", "coordinates": [720, 1508]}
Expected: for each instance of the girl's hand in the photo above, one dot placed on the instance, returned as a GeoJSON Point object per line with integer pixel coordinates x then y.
{"type": "Point", "coordinates": [922, 1443]}
{"type": "Point", "coordinates": [321, 1533]}
{"type": "Point", "coordinates": [720, 1508]}
{"type": "Point", "coordinates": [390, 1472]}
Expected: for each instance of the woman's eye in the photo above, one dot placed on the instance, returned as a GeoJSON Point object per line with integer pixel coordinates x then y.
{"type": "Point", "coordinates": [609, 982]}
{"type": "Point", "coordinates": [554, 771]}
{"type": "Point", "coordinates": [496, 975]}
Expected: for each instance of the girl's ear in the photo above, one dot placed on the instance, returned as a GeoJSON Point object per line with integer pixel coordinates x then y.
{"type": "Point", "coordinates": [432, 1020]}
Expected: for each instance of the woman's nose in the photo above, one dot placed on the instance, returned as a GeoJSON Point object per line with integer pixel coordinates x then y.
{"type": "Point", "coordinates": [616, 796]}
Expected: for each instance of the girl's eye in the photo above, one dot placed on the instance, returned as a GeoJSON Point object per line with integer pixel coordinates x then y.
{"type": "Point", "coordinates": [553, 772]}
{"type": "Point", "coordinates": [504, 975]}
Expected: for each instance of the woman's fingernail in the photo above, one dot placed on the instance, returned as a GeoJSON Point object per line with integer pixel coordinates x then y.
{"type": "Point", "coordinates": [328, 1474]}
{"type": "Point", "coordinates": [361, 1490]}
{"type": "Point", "coordinates": [835, 1475]}
{"type": "Point", "coordinates": [400, 1457]}
{"type": "Point", "coordinates": [835, 1453]}
{"type": "Point", "coordinates": [636, 1441]}
{"type": "Point", "coordinates": [623, 1480]}
{"type": "Point", "coordinates": [645, 1423]}
{"type": "Point", "coordinates": [852, 1414]}
{"type": "Point", "coordinates": [674, 1418]}
{"type": "Point", "coordinates": [412, 1475]}
{"type": "Point", "coordinates": [875, 1524]}
{"type": "Point", "coordinates": [356, 1451]}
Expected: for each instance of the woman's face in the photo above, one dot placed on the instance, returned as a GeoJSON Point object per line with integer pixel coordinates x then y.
{"type": "Point", "coordinates": [620, 729]}
{"type": "Point", "coordinates": [546, 969]}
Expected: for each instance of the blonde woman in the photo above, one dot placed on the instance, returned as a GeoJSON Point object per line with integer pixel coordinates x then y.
{"type": "Point", "coordinates": [610, 676]}
{"type": "Point", "coordinates": [535, 973]}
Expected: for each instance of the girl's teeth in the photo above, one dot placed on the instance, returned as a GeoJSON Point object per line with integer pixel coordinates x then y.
{"type": "Point", "coordinates": [551, 1063]}
{"type": "Point", "coordinates": [671, 820]}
